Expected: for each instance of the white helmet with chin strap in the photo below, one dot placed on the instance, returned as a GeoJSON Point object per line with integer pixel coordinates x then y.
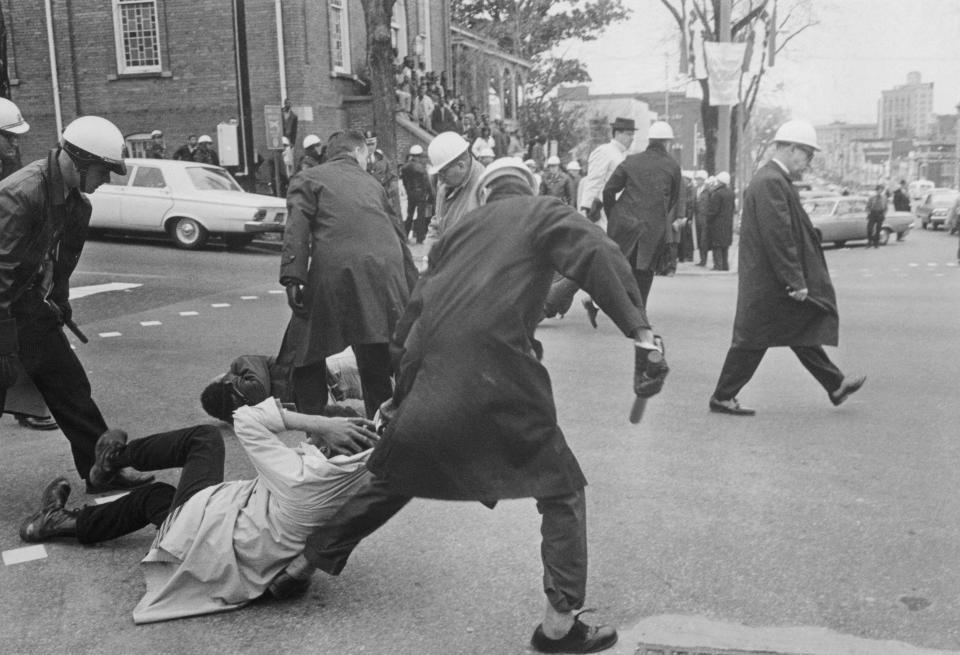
{"type": "Point", "coordinates": [505, 167]}
{"type": "Point", "coordinates": [94, 140]}
{"type": "Point", "coordinates": [11, 120]}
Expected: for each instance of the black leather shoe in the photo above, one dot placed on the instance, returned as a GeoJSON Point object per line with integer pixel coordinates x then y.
{"type": "Point", "coordinates": [731, 406]}
{"type": "Point", "coordinates": [286, 586]}
{"type": "Point", "coordinates": [52, 520]}
{"type": "Point", "coordinates": [123, 480]}
{"type": "Point", "coordinates": [592, 311]}
{"type": "Point", "coordinates": [37, 423]}
{"type": "Point", "coordinates": [847, 388]}
{"type": "Point", "coordinates": [105, 453]}
{"type": "Point", "coordinates": [55, 495]}
{"type": "Point", "coordinates": [582, 638]}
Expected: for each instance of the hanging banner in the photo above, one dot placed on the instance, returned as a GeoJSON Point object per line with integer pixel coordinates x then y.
{"type": "Point", "coordinates": [724, 62]}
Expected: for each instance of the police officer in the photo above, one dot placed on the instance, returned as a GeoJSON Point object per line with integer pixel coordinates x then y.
{"type": "Point", "coordinates": [44, 215]}
{"type": "Point", "coordinates": [156, 148]}
{"type": "Point", "coordinates": [205, 154]}
{"type": "Point", "coordinates": [312, 152]}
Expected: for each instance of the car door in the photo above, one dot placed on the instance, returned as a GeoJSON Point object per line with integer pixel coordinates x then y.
{"type": "Point", "coordinates": [852, 219]}
{"type": "Point", "coordinates": [107, 201]}
{"type": "Point", "coordinates": [147, 199]}
{"type": "Point", "coordinates": [823, 215]}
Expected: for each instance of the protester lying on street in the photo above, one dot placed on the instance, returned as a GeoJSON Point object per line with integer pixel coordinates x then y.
{"type": "Point", "coordinates": [253, 378]}
{"type": "Point", "coordinates": [218, 544]}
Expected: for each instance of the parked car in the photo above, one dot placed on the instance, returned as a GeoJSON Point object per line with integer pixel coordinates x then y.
{"type": "Point", "coordinates": [839, 219]}
{"type": "Point", "coordinates": [186, 200]}
{"type": "Point", "coordinates": [935, 207]}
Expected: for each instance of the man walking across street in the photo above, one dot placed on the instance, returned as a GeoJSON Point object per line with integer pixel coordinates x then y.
{"type": "Point", "coordinates": [785, 296]}
{"type": "Point", "coordinates": [346, 269]}
{"type": "Point", "coordinates": [720, 209]}
{"type": "Point", "coordinates": [640, 220]}
{"type": "Point", "coordinates": [416, 183]}
{"type": "Point", "coordinates": [475, 418]}
{"type": "Point", "coordinates": [876, 214]}
{"type": "Point", "coordinates": [44, 214]}
{"type": "Point", "coordinates": [901, 198]}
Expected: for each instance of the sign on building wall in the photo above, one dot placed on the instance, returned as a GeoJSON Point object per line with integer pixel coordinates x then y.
{"type": "Point", "coordinates": [274, 121]}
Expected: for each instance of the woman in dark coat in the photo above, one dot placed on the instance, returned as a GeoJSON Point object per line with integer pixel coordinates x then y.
{"type": "Point", "coordinates": [720, 208]}
{"type": "Point", "coordinates": [785, 295]}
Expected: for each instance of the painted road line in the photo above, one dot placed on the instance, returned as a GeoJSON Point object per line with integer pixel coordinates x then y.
{"type": "Point", "coordinates": [189, 313]}
{"type": "Point", "coordinates": [931, 263]}
{"type": "Point", "coordinates": [25, 554]}
{"type": "Point", "coordinates": [90, 290]}
{"type": "Point", "coordinates": [150, 323]}
{"type": "Point", "coordinates": [103, 500]}
{"type": "Point", "coordinates": [249, 297]}
{"type": "Point", "coordinates": [113, 274]}
{"type": "Point", "coordinates": [276, 291]}
{"type": "Point", "coordinates": [220, 304]}
{"type": "Point", "coordinates": [107, 335]}
{"type": "Point", "coordinates": [951, 264]}
{"type": "Point", "coordinates": [913, 264]}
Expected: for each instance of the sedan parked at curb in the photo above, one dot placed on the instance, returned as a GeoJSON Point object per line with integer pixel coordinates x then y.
{"type": "Point", "coordinates": [188, 201]}
{"type": "Point", "coordinates": [935, 208]}
{"type": "Point", "coordinates": [840, 219]}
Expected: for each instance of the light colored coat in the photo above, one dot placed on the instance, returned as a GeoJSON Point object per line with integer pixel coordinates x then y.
{"type": "Point", "coordinates": [600, 166]}
{"type": "Point", "coordinates": [220, 549]}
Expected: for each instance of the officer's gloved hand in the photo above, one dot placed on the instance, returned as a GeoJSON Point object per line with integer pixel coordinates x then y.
{"type": "Point", "coordinates": [8, 353]}
{"type": "Point", "coordinates": [295, 298]}
{"type": "Point", "coordinates": [650, 368]}
{"type": "Point", "coordinates": [66, 311]}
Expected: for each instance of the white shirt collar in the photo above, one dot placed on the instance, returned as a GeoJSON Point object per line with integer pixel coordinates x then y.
{"type": "Point", "coordinates": [780, 164]}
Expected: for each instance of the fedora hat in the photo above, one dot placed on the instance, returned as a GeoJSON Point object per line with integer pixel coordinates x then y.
{"type": "Point", "coordinates": [624, 124]}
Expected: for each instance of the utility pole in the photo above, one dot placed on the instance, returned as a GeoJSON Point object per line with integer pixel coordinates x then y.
{"type": "Point", "coordinates": [723, 111]}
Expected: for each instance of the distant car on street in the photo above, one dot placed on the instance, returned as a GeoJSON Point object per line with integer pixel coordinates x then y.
{"type": "Point", "coordinates": [935, 208]}
{"type": "Point", "coordinates": [188, 201]}
{"type": "Point", "coordinates": [839, 219]}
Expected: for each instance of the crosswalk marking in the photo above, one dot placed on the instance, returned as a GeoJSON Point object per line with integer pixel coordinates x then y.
{"type": "Point", "coordinates": [92, 289]}
{"type": "Point", "coordinates": [150, 323]}
{"type": "Point", "coordinates": [107, 335]}
{"type": "Point", "coordinates": [189, 313]}
{"type": "Point", "coordinates": [220, 304]}
{"type": "Point", "coordinates": [25, 554]}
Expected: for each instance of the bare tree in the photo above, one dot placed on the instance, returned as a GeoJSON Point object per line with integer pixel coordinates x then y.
{"type": "Point", "coordinates": [786, 18]}
{"type": "Point", "coordinates": [377, 14]}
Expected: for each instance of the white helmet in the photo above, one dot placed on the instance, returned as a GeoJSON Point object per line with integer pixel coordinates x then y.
{"type": "Point", "coordinates": [310, 140]}
{"type": "Point", "coordinates": [573, 166]}
{"type": "Point", "coordinates": [11, 120]}
{"type": "Point", "coordinates": [204, 138]}
{"type": "Point", "coordinates": [553, 160]}
{"type": "Point", "coordinates": [660, 130]}
{"type": "Point", "coordinates": [156, 133]}
{"type": "Point", "coordinates": [796, 131]}
{"type": "Point", "coordinates": [286, 141]}
{"type": "Point", "coordinates": [444, 148]}
{"type": "Point", "coordinates": [723, 177]}
{"type": "Point", "coordinates": [416, 149]}
{"type": "Point", "coordinates": [91, 139]}
{"type": "Point", "coordinates": [512, 166]}
{"type": "Point", "coordinates": [701, 174]}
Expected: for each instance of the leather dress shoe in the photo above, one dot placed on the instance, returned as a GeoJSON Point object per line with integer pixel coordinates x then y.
{"type": "Point", "coordinates": [286, 586]}
{"type": "Point", "coordinates": [847, 388]}
{"type": "Point", "coordinates": [582, 638]}
{"type": "Point", "coordinates": [52, 520]}
{"type": "Point", "coordinates": [592, 311]}
{"type": "Point", "coordinates": [105, 454]}
{"type": "Point", "coordinates": [731, 406]}
{"type": "Point", "coordinates": [37, 423]}
{"type": "Point", "coordinates": [123, 480]}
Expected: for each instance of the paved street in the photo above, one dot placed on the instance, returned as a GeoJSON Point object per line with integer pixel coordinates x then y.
{"type": "Point", "coordinates": [846, 520]}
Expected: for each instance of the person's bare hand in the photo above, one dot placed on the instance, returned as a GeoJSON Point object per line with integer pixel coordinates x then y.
{"type": "Point", "coordinates": [797, 294]}
{"type": "Point", "coordinates": [348, 435]}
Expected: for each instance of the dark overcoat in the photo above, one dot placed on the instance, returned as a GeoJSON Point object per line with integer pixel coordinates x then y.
{"type": "Point", "coordinates": [779, 249]}
{"type": "Point", "coordinates": [641, 219]}
{"type": "Point", "coordinates": [476, 418]}
{"type": "Point", "coordinates": [344, 243]}
{"type": "Point", "coordinates": [720, 208]}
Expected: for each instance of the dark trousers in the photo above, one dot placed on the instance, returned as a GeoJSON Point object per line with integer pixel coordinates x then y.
{"type": "Point", "coordinates": [721, 261]}
{"type": "Point", "coordinates": [59, 377]}
{"type": "Point", "coordinates": [873, 230]}
{"type": "Point", "coordinates": [644, 281]}
{"type": "Point", "coordinates": [560, 297]}
{"type": "Point", "coordinates": [199, 450]}
{"type": "Point", "coordinates": [685, 253]}
{"type": "Point", "coordinates": [702, 245]}
{"type": "Point", "coordinates": [376, 379]}
{"type": "Point", "coordinates": [742, 363]}
{"type": "Point", "coordinates": [416, 218]}
{"type": "Point", "coordinates": [563, 530]}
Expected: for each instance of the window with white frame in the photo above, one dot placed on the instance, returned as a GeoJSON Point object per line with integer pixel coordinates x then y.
{"type": "Point", "coordinates": [339, 36]}
{"type": "Point", "coordinates": [424, 30]}
{"type": "Point", "coordinates": [137, 36]}
{"type": "Point", "coordinates": [398, 28]}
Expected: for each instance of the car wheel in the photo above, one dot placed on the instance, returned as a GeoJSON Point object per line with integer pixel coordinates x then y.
{"type": "Point", "coordinates": [237, 241]}
{"type": "Point", "coordinates": [188, 234]}
{"type": "Point", "coordinates": [901, 236]}
{"type": "Point", "coordinates": [839, 244]}
{"type": "Point", "coordinates": [884, 237]}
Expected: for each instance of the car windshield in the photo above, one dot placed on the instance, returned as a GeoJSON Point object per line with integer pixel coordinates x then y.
{"type": "Point", "coordinates": [819, 207]}
{"type": "Point", "coordinates": [943, 197]}
{"type": "Point", "coordinates": [205, 178]}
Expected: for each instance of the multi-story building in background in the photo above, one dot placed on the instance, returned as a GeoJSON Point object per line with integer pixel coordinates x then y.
{"type": "Point", "coordinates": [906, 110]}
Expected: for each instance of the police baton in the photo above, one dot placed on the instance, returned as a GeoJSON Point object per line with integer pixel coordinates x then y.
{"type": "Point", "coordinates": [76, 330]}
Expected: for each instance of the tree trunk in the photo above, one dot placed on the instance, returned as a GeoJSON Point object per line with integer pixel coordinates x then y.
{"type": "Point", "coordinates": [380, 62]}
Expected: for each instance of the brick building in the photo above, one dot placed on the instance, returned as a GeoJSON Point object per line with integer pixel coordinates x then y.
{"type": "Point", "coordinates": [175, 65]}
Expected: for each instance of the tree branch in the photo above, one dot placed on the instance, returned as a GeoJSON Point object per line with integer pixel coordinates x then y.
{"type": "Point", "coordinates": [676, 14]}
{"type": "Point", "coordinates": [787, 40]}
{"type": "Point", "coordinates": [748, 18]}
